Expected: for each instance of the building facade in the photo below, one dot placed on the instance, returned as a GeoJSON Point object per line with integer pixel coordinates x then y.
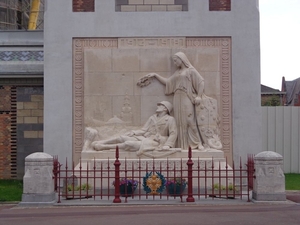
{"type": "Point", "coordinates": [80, 36]}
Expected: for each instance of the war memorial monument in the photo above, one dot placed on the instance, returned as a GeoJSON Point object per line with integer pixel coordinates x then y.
{"type": "Point", "coordinates": [108, 66]}
{"type": "Point", "coordinates": [153, 77]}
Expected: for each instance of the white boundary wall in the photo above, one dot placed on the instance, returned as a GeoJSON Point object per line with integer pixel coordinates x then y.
{"type": "Point", "coordinates": [281, 134]}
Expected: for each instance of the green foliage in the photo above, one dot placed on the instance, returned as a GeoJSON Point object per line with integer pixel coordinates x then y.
{"type": "Point", "coordinates": [223, 188]}
{"type": "Point", "coordinates": [292, 181]}
{"type": "Point", "coordinates": [219, 187]}
{"type": "Point", "coordinates": [231, 187]}
{"type": "Point", "coordinates": [86, 187]}
{"type": "Point", "coordinates": [273, 101]}
{"type": "Point", "coordinates": [70, 187]}
{"type": "Point", "coordinates": [83, 187]}
{"type": "Point", "coordinates": [11, 190]}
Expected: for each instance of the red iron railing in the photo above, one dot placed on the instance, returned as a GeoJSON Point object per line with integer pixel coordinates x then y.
{"type": "Point", "coordinates": [251, 170]}
{"type": "Point", "coordinates": [206, 179]}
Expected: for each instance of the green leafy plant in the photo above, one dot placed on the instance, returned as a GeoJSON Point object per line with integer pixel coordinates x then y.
{"type": "Point", "coordinates": [274, 100]}
{"type": "Point", "coordinates": [230, 187]}
{"type": "Point", "coordinates": [219, 187]}
{"type": "Point", "coordinates": [83, 187]}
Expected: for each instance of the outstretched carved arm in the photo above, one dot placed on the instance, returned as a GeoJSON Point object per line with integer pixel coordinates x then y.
{"type": "Point", "coordinates": [158, 77]}
{"type": "Point", "coordinates": [146, 80]}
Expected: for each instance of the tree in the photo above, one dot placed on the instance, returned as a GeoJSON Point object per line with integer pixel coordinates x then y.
{"type": "Point", "coordinates": [274, 100]}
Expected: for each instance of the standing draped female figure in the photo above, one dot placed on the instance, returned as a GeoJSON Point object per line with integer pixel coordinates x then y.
{"type": "Point", "coordinates": [187, 86]}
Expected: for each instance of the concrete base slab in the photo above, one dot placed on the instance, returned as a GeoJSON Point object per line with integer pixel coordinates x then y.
{"type": "Point", "coordinates": [38, 199]}
{"type": "Point", "coordinates": [269, 197]}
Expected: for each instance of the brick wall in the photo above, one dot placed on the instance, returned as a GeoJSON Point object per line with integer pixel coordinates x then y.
{"type": "Point", "coordinates": [297, 100]}
{"type": "Point", "coordinates": [8, 150]}
{"type": "Point", "coordinates": [21, 128]}
{"type": "Point", "coordinates": [83, 5]}
{"type": "Point", "coordinates": [30, 105]}
{"type": "Point", "coordinates": [151, 5]}
{"type": "Point", "coordinates": [219, 5]}
{"type": "Point", "coordinates": [5, 146]}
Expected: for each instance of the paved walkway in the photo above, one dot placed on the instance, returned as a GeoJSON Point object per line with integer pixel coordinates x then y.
{"type": "Point", "coordinates": [218, 211]}
{"type": "Point", "coordinates": [250, 213]}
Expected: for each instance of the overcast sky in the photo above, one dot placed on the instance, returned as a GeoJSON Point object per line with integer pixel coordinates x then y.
{"type": "Point", "coordinates": [280, 41]}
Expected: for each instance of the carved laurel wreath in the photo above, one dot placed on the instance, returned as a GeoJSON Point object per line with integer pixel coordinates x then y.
{"type": "Point", "coordinates": [144, 81]}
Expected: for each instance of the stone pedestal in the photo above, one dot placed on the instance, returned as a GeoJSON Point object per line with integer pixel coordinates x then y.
{"type": "Point", "coordinates": [269, 182]}
{"type": "Point", "coordinates": [131, 162]}
{"type": "Point", "coordinates": [176, 154]}
{"type": "Point", "coordinates": [38, 188]}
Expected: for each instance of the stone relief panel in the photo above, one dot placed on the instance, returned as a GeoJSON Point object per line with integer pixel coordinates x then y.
{"type": "Point", "coordinates": [106, 73]}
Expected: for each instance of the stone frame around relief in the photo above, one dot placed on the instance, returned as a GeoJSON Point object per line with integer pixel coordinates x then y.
{"type": "Point", "coordinates": [173, 44]}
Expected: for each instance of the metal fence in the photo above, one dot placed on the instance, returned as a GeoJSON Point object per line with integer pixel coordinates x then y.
{"type": "Point", "coordinates": [191, 179]}
{"type": "Point", "coordinates": [281, 134]}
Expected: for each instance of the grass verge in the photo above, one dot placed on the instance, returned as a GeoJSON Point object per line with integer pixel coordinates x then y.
{"type": "Point", "coordinates": [11, 190]}
{"type": "Point", "coordinates": [292, 181]}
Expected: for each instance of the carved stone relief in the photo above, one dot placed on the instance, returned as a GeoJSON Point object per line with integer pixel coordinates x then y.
{"type": "Point", "coordinates": [106, 72]}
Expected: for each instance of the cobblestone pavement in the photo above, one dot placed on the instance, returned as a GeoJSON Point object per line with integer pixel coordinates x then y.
{"type": "Point", "coordinates": [251, 213]}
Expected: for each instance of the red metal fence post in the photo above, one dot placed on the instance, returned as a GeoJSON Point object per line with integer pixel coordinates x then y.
{"type": "Point", "coordinates": [250, 170]}
{"type": "Point", "coordinates": [117, 177]}
{"type": "Point", "coordinates": [55, 171]}
{"type": "Point", "coordinates": [190, 164]}
{"type": "Point", "coordinates": [57, 175]}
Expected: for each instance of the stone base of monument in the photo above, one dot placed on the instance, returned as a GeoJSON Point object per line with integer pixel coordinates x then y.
{"type": "Point", "coordinates": [97, 163]}
{"type": "Point", "coordinates": [269, 197]}
{"type": "Point", "coordinates": [269, 182]}
{"type": "Point", "coordinates": [38, 199]}
{"type": "Point", "coordinates": [38, 185]}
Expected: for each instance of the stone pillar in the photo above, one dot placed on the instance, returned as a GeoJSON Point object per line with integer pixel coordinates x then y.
{"type": "Point", "coordinates": [38, 183]}
{"type": "Point", "coordinates": [269, 181]}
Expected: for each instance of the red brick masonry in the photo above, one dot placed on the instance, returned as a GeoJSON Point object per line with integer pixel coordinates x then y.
{"type": "Point", "coordinates": [83, 5]}
{"type": "Point", "coordinates": [219, 5]}
{"type": "Point", "coordinates": [7, 132]}
{"type": "Point", "coordinates": [5, 146]}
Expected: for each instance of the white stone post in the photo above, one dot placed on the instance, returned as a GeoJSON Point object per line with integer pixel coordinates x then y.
{"type": "Point", "coordinates": [269, 181]}
{"type": "Point", "coordinates": [38, 183]}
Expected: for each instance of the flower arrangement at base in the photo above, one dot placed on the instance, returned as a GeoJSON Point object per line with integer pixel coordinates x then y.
{"type": "Point", "coordinates": [154, 183]}
{"type": "Point", "coordinates": [176, 186]}
{"type": "Point", "coordinates": [127, 186]}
